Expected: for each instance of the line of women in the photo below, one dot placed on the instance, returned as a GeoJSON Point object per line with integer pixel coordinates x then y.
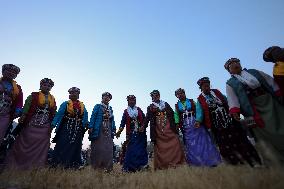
{"type": "Point", "coordinates": [211, 127]}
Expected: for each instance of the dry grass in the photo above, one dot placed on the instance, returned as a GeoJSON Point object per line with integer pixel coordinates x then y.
{"type": "Point", "coordinates": [224, 176]}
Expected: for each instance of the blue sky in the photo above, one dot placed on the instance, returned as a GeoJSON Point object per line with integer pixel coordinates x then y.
{"type": "Point", "coordinates": [134, 46]}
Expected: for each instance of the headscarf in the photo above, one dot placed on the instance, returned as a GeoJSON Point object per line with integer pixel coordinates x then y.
{"type": "Point", "coordinates": [203, 80]}
{"type": "Point", "coordinates": [107, 94]}
{"type": "Point", "coordinates": [11, 67]}
{"type": "Point", "coordinates": [74, 90]}
{"type": "Point", "coordinates": [180, 90]}
{"type": "Point", "coordinates": [131, 97]}
{"type": "Point", "coordinates": [47, 80]}
{"type": "Point", "coordinates": [155, 92]}
{"type": "Point", "coordinates": [230, 61]}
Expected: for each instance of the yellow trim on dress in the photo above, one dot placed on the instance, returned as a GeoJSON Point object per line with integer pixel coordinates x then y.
{"type": "Point", "coordinates": [278, 68]}
{"type": "Point", "coordinates": [16, 89]}
{"type": "Point", "coordinates": [70, 107]}
{"type": "Point", "coordinates": [41, 99]}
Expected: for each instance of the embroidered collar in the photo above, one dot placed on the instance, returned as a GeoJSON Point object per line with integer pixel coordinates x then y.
{"type": "Point", "coordinates": [161, 105]}
{"type": "Point", "coordinates": [132, 112]}
{"type": "Point", "coordinates": [107, 109]}
{"type": "Point", "coordinates": [184, 106]}
{"type": "Point", "coordinates": [247, 79]}
{"type": "Point", "coordinates": [213, 96]}
{"type": "Point", "coordinates": [106, 106]}
{"type": "Point", "coordinates": [70, 107]}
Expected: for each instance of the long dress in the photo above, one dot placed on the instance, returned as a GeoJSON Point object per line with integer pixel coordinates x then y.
{"type": "Point", "coordinates": [4, 125]}
{"type": "Point", "coordinates": [199, 147]}
{"type": "Point", "coordinates": [9, 104]}
{"type": "Point", "coordinates": [102, 148]}
{"type": "Point", "coordinates": [168, 151]}
{"type": "Point", "coordinates": [31, 146]}
{"type": "Point", "coordinates": [231, 138]}
{"type": "Point", "coordinates": [272, 114]}
{"type": "Point", "coordinates": [67, 151]}
{"type": "Point", "coordinates": [4, 121]}
{"type": "Point", "coordinates": [267, 116]}
{"type": "Point", "coordinates": [136, 156]}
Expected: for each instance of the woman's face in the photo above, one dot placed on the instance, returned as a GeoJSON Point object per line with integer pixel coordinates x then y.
{"type": "Point", "coordinates": [45, 87]}
{"type": "Point", "coordinates": [235, 68]}
{"type": "Point", "coordinates": [205, 88]}
{"type": "Point", "coordinates": [106, 99]}
{"type": "Point", "coordinates": [74, 96]}
{"type": "Point", "coordinates": [155, 97]}
{"type": "Point", "coordinates": [181, 96]}
{"type": "Point", "coordinates": [131, 102]}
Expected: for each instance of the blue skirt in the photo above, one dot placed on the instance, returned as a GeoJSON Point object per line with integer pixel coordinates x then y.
{"type": "Point", "coordinates": [200, 149]}
{"type": "Point", "coordinates": [67, 151]}
{"type": "Point", "coordinates": [136, 156]}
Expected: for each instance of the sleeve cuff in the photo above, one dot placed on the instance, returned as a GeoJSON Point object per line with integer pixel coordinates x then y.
{"type": "Point", "coordinates": [18, 111]}
{"type": "Point", "coordinates": [52, 125]}
{"type": "Point", "coordinates": [234, 110]}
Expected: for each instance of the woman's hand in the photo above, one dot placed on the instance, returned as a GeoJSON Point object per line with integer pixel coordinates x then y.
{"type": "Point", "coordinates": [117, 134]}
{"type": "Point", "coordinates": [236, 116]}
{"type": "Point", "coordinates": [197, 124]}
{"type": "Point", "coordinates": [90, 130]}
{"type": "Point", "coordinates": [22, 119]}
{"type": "Point", "coordinates": [141, 129]}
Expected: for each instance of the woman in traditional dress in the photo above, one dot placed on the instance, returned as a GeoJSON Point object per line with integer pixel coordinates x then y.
{"type": "Point", "coordinates": [11, 102]}
{"type": "Point", "coordinates": [136, 157]}
{"type": "Point", "coordinates": [168, 151]}
{"type": "Point", "coordinates": [70, 121]}
{"type": "Point", "coordinates": [255, 95]}
{"type": "Point", "coordinates": [101, 133]}
{"type": "Point", "coordinates": [30, 149]}
{"type": "Point", "coordinates": [11, 98]}
{"type": "Point", "coordinates": [229, 135]}
{"type": "Point", "coordinates": [200, 150]}
{"type": "Point", "coordinates": [275, 54]}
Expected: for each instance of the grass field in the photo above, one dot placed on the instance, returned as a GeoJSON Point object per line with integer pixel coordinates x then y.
{"type": "Point", "coordinates": [221, 177]}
